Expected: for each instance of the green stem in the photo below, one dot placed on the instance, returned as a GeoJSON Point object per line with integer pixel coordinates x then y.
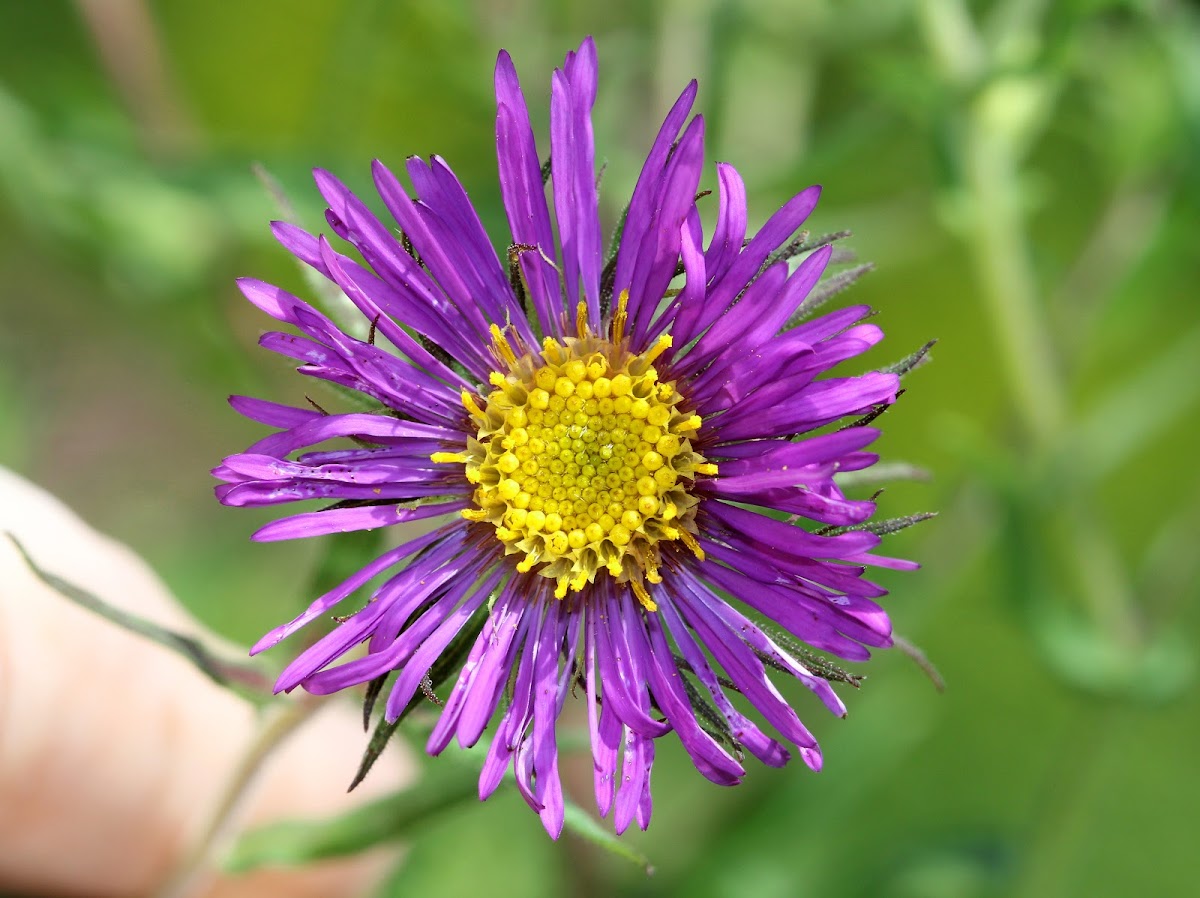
{"type": "Point", "coordinates": [996, 127]}
{"type": "Point", "coordinates": [997, 242]}
{"type": "Point", "coordinates": [1000, 248]}
{"type": "Point", "coordinates": [277, 723]}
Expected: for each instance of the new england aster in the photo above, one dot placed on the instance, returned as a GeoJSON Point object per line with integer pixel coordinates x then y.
{"type": "Point", "coordinates": [614, 471]}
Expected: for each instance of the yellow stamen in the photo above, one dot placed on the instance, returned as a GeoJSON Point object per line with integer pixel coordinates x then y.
{"type": "Point", "coordinates": [642, 596]}
{"type": "Point", "coordinates": [661, 345]}
{"type": "Point", "coordinates": [652, 573]}
{"type": "Point", "coordinates": [690, 541]}
{"type": "Point", "coordinates": [500, 344]}
{"type": "Point", "coordinates": [620, 317]}
{"type": "Point", "coordinates": [552, 351]}
{"type": "Point", "coordinates": [581, 322]}
{"type": "Point", "coordinates": [472, 406]}
{"type": "Point", "coordinates": [443, 458]}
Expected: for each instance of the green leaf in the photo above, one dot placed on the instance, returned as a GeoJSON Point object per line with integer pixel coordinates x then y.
{"type": "Point", "coordinates": [582, 824]}
{"type": "Point", "coordinates": [1155, 671]}
{"type": "Point", "coordinates": [910, 362]}
{"type": "Point", "coordinates": [220, 670]}
{"type": "Point", "coordinates": [374, 688]}
{"type": "Point", "coordinates": [881, 528]}
{"type": "Point", "coordinates": [805, 243]}
{"type": "Point", "coordinates": [826, 290]}
{"type": "Point", "coordinates": [379, 740]}
{"type": "Point", "coordinates": [440, 786]}
{"type": "Point", "coordinates": [816, 663]}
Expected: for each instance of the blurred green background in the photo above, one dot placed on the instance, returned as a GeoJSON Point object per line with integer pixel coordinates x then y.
{"type": "Point", "coordinates": [1023, 173]}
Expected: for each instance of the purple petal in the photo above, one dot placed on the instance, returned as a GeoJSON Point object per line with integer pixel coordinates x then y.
{"type": "Point", "coordinates": [344, 520]}
{"type": "Point", "coordinates": [620, 676]}
{"type": "Point", "coordinates": [743, 729]}
{"type": "Point", "coordinates": [635, 775]}
{"type": "Point", "coordinates": [524, 195]}
{"type": "Point", "coordinates": [741, 665]}
{"type": "Point", "coordinates": [658, 254]}
{"type": "Point", "coordinates": [445, 197]}
{"type": "Point", "coordinates": [330, 599]}
{"type": "Point", "coordinates": [254, 494]}
{"type": "Point", "coordinates": [404, 294]}
{"type": "Point", "coordinates": [768, 456]}
{"type": "Point", "coordinates": [382, 251]}
{"type": "Point", "coordinates": [603, 726]}
{"type": "Point", "coordinates": [647, 190]}
{"type": "Point", "coordinates": [548, 790]}
{"type": "Point", "coordinates": [691, 297]}
{"type": "Point", "coordinates": [573, 170]}
{"type": "Point", "coordinates": [730, 232]}
{"type": "Point", "coordinates": [434, 254]}
{"type": "Point", "coordinates": [812, 613]}
{"type": "Point", "coordinates": [895, 564]}
{"type": "Point", "coordinates": [422, 659]}
{"type": "Point", "coordinates": [829, 325]}
{"type": "Point", "coordinates": [765, 647]}
{"type": "Point", "coordinates": [713, 762]}
{"type": "Point", "coordinates": [272, 414]}
{"type": "Point", "coordinates": [787, 539]}
{"type": "Point", "coordinates": [330, 647]}
{"type": "Point", "coordinates": [403, 652]}
{"type": "Point", "coordinates": [645, 805]}
{"type": "Point", "coordinates": [821, 403]}
{"type": "Point", "coordinates": [775, 371]}
{"type": "Point", "coordinates": [371, 427]}
{"type": "Point", "coordinates": [722, 293]}
{"type": "Point", "coordinates": [473, 699]}
{"type": "Point", "coordinates": [764, 308]}
{"type": "Point", "coordinates": [399, 338]}
{"type": "Point", "coordinates": [495, 765]}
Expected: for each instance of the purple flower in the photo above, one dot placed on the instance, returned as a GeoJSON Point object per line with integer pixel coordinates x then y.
{"type": "Point", "coordinates": [615, 472]}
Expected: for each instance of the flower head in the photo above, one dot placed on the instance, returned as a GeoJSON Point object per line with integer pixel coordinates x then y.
{"type": "Point", "coordinates": [617, 473]}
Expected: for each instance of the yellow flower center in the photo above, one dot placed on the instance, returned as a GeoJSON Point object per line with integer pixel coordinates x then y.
{"type": "Point", "coordinates": [583, 459]}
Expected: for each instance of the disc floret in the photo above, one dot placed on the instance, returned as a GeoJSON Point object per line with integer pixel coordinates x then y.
{"type": "Point", "coordinates": [583, 461]}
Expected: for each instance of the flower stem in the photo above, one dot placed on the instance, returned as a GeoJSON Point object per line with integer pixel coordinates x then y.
{"type": "Point", "coordinates": [276, 724]}
{"type": "Point", "coordinates": [996, 128]}
{"type": "Point", "coordinates": [997, 241]}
